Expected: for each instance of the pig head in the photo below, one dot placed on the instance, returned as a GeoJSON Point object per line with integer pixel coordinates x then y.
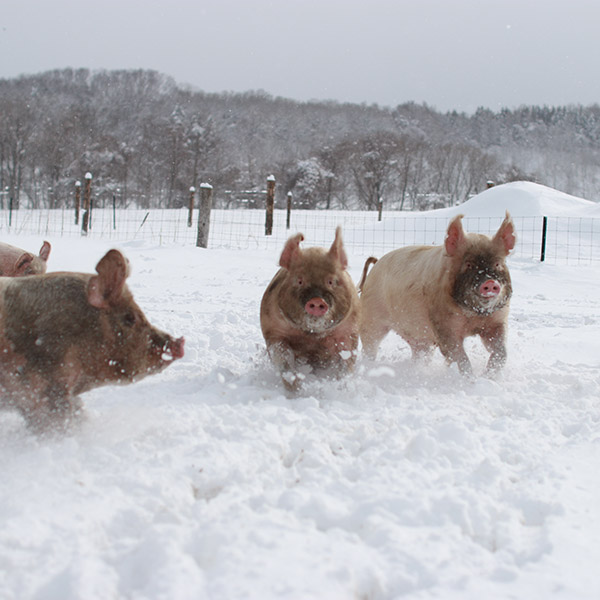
{"type": "Point", "coordinates": [62, 334]}
{"type": "Point", "coordinates": [439, 295]}
{"type": "Point", "coordinates": [15, 262]}
{"type": "Point", "coordinates": [310, 312]}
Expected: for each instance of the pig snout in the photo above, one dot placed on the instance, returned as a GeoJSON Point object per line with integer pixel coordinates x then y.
{"type": "Point", "coordinates": [316, 307]}
{"type": "Point", "coordinates": [490, 288]}
{"type": "Point", "coordinates": [173, 349]}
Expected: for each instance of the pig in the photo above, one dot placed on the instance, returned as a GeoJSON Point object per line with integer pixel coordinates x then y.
{"type": "Point", "coordinates": [62, 334]}
{"type": "Point", "coordinates": [15, 262]}
{"type": "Point", "coordinates": [439, 295]}
{"type": "Point", "coordinates": [310, 312]}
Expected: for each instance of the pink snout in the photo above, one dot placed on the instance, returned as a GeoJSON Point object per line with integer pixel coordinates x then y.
{"type": "Point", "coordinates": [175, 348]}
{"type": "Point", "coordinates": [316, 307]}
{"type": "Point", "coordinates": [490, 288]}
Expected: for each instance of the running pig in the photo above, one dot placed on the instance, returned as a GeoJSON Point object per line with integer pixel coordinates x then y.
{"type": "Point", "coordinates": [439, 295]}
{"type": "Point", "coordinates": [310, 312]}
{"type": "Point", "coordinates": [62, 334]}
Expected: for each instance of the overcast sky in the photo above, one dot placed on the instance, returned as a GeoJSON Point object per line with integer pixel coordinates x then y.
{"type": "Point", "coordinates": [451, 54]}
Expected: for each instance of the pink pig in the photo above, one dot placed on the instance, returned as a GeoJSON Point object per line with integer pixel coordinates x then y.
{"type": "Point", "coordinates": [439, 295]}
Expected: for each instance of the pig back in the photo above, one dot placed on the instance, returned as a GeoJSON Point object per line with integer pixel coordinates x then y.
{"type": "Point", "coordinates": [404, 287]}
{"type": "Point", "coordinates": [43, 317]}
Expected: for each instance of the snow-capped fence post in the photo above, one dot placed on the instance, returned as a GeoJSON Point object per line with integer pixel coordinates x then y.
{"type": "Point", "coordinates": [544, 230]}
{"type": "Point", "coordinates": [270, 204]}
{"type": "Point", "coordinates": [204, 215]}
{"type": "Point", "coordinates": [191, 206]}
{"type": "Point", "coordinates": [289, 210]}
{"type": "Point", "coordinates": [77, 201]}
{"type": "Point", "coordinates": [379, 208]}
{"type": "Point", "coordinates": [87, 195]}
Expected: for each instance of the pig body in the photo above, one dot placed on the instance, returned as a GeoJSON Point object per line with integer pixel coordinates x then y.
{"type": "Point", "coordinates": [15, 262]}
{"type": "Point", "coordinates": [62, 334]}
{"type": "Point", "coordinates": [310, 312]}
{"type": "Point", "coordinates": [439, 295]}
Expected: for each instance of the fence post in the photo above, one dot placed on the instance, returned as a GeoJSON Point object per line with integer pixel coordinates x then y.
{"type": "Point", "coordinates": [544, 230]}
{"type": "Point", "coordinates": [115, 211]}
{"type": "Point", "coordinates": [270, 203]}
{"type": "Point", "coordinates": [87, 194]}
{"type": "Point", "coordinates": [289, 210]}
{"type": "Point", "coordinates": [204, 215]}
{"type": "Point", "coordinates": [10, 207]}
{"type": "Point", "coordinates": [77, 201]}
{"type": "Point", "coordinates": [191, 206]}
{"type": "Point", "coordinates": [380, 209]}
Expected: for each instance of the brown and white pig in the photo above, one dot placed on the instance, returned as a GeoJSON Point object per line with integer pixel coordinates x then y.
{"type": "Point", "coordinates": [15, 262]}
{"type": "Point", "coordinates": [439, 295]}
{"type": "Point", "coordinates": [62, 334]}
{"type": "Point", "coordinates": [310, 312]}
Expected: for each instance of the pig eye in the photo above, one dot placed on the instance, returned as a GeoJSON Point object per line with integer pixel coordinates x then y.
{"type": "Point", "coordinates": [331, 282]}
{"type": "Point", "coordinates": [468, 265]}
{"type": "Point", "coordinates": [299, 281]}
{"type": "Point", "coordinates": [129, 319]}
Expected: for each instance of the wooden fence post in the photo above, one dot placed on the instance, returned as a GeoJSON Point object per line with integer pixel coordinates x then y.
{"type": "Point", "coordinates": [380, 209]}
{"type": "Point", "coordinates": [270, 204]}
{"type": "Point", "coordinates": [191, 206]}
{"type": "Point", "coordinates": [87, 194]}
{"type": "Point", "coordinates": [289, 210]}
{"type": "Point", "coordinates": [204, 215]}
{"type": "Point", "coordinates": [77, 201]}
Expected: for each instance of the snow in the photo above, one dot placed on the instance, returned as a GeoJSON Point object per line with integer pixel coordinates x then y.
{"type": "Point", "coordinates": [406, 480]}
{"type": "Point", "coordinates": [524, 199]}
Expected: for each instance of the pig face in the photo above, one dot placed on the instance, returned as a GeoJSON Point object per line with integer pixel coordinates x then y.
{"type": "Point", "coordinates": [481, 283]}
{"type": "Point", "coordinates": [315, 295]}
{"type": "Point", "coordinates": [130, 346]}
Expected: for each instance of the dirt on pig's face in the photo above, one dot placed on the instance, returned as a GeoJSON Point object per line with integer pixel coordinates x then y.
{"type": "Point", "coordinates": [315, 293]}
{"type": "Point", "coordinates": [482, 282]}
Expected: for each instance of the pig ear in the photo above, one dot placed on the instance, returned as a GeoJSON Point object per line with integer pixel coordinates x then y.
{"type": "Point", "coordinates": [455, 236]}
{"type": "Point", "coordinates": [45, 251]}
{"type": "Point", "coordinates": [23, 263]}
{"type": "Point", "coordinates": [106, 288]}
{"type": "Point", "coordinates": [291, 251]}
{"type": "Point", "coordinates": [505, 237]}
{"type": "Point", "coordinates": [337, 251]}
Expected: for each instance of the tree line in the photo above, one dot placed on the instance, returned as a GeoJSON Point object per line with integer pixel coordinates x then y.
{"type": "Point", "coordinates": [147, 140]}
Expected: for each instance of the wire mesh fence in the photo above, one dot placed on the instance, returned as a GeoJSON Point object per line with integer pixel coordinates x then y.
{"type": "Point", "coordinates": [568, 240]}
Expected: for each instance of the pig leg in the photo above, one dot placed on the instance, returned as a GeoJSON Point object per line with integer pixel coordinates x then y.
{"type": "Point", "coordinates": [421, 351]}
{"type": "Point", "coordinates": [371, 334]}
{"type": "Point", "coordinates": [55, 410]}
{"type": "Point", "coordinates": [285, 362]}
{"type": "Point", "coordinates": [495, 342]}
{"type": "Point", "coordinates": [454, 351]}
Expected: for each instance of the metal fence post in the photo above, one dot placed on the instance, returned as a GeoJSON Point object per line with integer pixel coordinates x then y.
{"type": "Point", "coordinates": [544, 230]}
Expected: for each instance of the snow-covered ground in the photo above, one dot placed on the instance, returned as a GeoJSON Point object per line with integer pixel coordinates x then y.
{"type": "Point", "coordinates": [403, 481]}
